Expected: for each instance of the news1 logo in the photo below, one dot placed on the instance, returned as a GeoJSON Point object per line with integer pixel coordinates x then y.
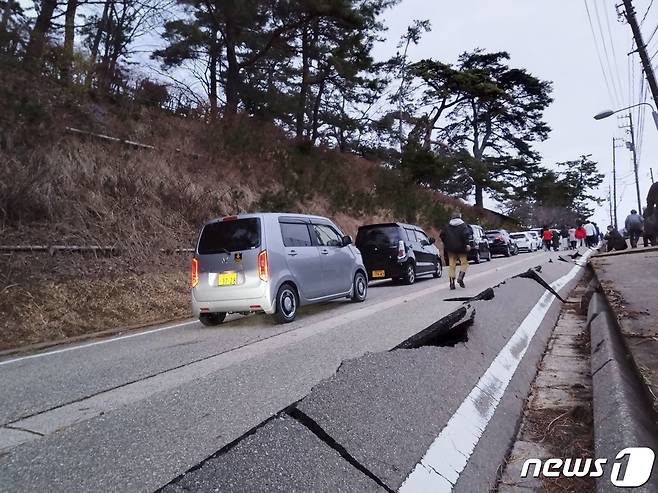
{"type": "Point", "coordinates": [632, 467]}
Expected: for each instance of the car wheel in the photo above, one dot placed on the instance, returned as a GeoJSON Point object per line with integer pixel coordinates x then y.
{"type": "Point", "coordinates": [286, 304]}
{"type": "Point", "coordinates": [439, 270]}
{"type": "Point", "coordinates": [410, 274]}
{"type": "Point", "coordinates": [359, 288]}
{"type": "Point", "coordinates": [477, 257]}
{"type": "Point", "coordinates": [508, 252]}
{"type": "Point", "coordinates": [212, 319]}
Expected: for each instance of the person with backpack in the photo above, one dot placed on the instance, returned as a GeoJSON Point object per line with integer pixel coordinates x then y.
{"type": "Point", "coordinates": [456, 243]}
{"type": "Point", "coordinates": [634, 225]}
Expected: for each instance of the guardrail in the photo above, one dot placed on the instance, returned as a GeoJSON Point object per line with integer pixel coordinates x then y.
{"type": "Point", "coordinates": [53, 249]}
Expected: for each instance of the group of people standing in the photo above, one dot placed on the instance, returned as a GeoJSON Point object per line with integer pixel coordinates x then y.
{"type": "Point", "coordinates": [586, 234]}
{"type": "Point", "coordinates": [635, 229]}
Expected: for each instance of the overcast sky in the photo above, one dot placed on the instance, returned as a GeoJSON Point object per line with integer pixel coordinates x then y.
{"type": "Point", "coordinates": [553, 40]}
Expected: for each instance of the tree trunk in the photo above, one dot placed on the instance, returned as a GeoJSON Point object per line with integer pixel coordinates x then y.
{"type": "Point", "coordinates": [479, 196]}
{"type": "Point", "coordinates": [316, 107]}
{"type": "Point", "coordinates": [303, 90]}
{"type": "Point", "coordinates": [212, 66]}
{"type": "Point", "coordinates": [232, 88]}
{"type": "Point", "coordinates": [37, 42]}
{"type": "Point", "coordinates": [102, 26]}
{"type": "Point", "coordinates": [5, 16]}
{"type": "Point", "coordinates": [69, 36]}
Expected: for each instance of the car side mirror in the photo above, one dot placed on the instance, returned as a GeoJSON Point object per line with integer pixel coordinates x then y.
{"type": "Point", "coordinates": [424, 243]}
{"type": "Point", "coordinates": [347, 240]}
{"type": "Point", "coordinates": [432, 241]}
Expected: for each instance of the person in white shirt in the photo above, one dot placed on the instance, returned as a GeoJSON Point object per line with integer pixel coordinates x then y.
{"type": "Point", "coordinates": [591, 240]}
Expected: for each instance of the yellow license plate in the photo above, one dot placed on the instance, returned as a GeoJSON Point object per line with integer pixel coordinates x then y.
{"type": "Point", "coordinates": [378, 273]}
{"type": "Point", "coordinates": [228, 278]}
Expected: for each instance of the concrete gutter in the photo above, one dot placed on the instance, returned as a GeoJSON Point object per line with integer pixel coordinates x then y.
{"type": "Point", "coordinates": [622, 409]}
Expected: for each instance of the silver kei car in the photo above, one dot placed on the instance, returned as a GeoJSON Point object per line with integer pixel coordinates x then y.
{"type": "Point", "coordinates": [272, 263]}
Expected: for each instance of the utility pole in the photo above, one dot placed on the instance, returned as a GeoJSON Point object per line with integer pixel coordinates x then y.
{"type": "Point", "coordinates": [614, 179]}
{"type": "Point", "coordinates": [629, 13]}
{"type": "Point", "coordinates": [610, 203]}
{"type": "Point", "coordinates": [632, 147]}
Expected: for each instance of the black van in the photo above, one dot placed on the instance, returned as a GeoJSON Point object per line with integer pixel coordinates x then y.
{"type": "Point", "coordinates": [479, 244]}
{"type": "Point", "coordinates": [398, 251]}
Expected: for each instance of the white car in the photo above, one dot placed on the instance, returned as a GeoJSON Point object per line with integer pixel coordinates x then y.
{"type": "Point", "coordinates": [524, 241]}
{"type": "Point", "coordinates": [536, 238]}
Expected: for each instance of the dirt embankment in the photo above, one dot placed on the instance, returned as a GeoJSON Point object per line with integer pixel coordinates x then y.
{"type": "Point", "coordinates": [58, 187]}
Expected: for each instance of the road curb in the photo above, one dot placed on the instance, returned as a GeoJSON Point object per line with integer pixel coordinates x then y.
{"type": "Point", "coordinates": [622, 411]}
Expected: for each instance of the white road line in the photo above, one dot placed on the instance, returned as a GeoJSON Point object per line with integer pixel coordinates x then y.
{"type": "Point", "coordinates": [168, 327]}
{"type": "Point", "coordinates": [70, 414]}
{"type": "Point", "coordinates": [96, 343]}
{"type": "Point", "coordinates": [448, 455]}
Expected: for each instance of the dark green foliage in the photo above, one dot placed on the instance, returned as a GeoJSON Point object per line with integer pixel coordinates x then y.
{"type": "Point", "coordinates": [558, 197]}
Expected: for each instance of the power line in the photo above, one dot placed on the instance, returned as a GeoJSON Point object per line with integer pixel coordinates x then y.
{"type": "Point", "coordinates": [598, 52]}
{"type": "Point", "coordinates": [646, 13]}
{"type": "Point", "coordinates": [607, 55]}
{"type": "Point", "coordinates": [614, 52]}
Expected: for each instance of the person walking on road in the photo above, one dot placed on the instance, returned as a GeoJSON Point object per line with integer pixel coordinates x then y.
{"type": "Point", "coordinates": [590, 231]}
{"type": "Point", "coordinates": [572, 238]}
{"type": "Point", "coordinates": [455, 236]}
{"type": "Point", "coordinates": [614, 240]}
{"type": "Point", "coordinates": [547, 238]}
{"type": "Point", "coordinates": [634, 225]}
{"type": "Point", "coordinates": [564, 238]}
{"type": "Point", "coordinates": [581, 234]}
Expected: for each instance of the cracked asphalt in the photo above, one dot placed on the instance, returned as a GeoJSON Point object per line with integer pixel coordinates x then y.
{"type": "Point", "coordinates": [135, 414]}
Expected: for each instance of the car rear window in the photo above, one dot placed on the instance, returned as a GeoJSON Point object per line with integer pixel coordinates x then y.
{"type": "Point", "coordinates": [380, 236]}
{"type": "Point", "coordinates": [517, 236]}
{"type": "Point", "coordinates": [492, 233]}
{"type": "Point", "coordinates": [230, 236]}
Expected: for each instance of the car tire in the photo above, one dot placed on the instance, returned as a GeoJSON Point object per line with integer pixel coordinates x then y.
{"type": "Point", "coordinates": [359, 287]}
{"type": "Point", "coordinates": [286, 303]}
{"type": "Point", "coordinates": [439, 270]}
{"type": "Point", "coordinates": [410, 274]}
{"type": "Point", "coordinates": [508, 252]}
{"type": "Point", "coordinates": [478, 259]}
{"type": "Point", "coordinates": [212, 319]}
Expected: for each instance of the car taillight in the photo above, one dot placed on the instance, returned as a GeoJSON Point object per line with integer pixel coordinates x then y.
{"type": "Point", "coordinates": [195, 272]}
{"type": "Point", "coordinates": [401, 250]}
{"type": "Point", "coordinates": [263, 266]}
{"type": "Point", "coordinates": [500, 238]}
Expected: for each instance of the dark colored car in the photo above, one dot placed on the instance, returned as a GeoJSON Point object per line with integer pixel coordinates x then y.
{"type": "Point", "coordinates": [398, 251]}
{"type": "Point", "coordinates": [501, 243]}
{"type": "Point", "coordinates": [479, 244]}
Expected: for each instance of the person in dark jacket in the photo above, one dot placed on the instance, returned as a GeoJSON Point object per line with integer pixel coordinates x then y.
{"type": "Point", "coordinates": [615, 240]}
{"type": "Point", "coordinates": [634, 225]}
{"type": "Point", "coordinates": [455, 236]}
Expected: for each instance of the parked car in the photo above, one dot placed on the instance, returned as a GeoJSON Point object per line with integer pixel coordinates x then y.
{"type": "Point", "coordinates": [398, 251]}
{"type": "Point", "coordinates": [501, 243]}
{"type": "Point", "coordinates": [536, 236]}
{"type": "Point", "coordinates": [524, 241]}
{"type": "Point", "coordinates": [272, 263]}
{"type": "Point", "coordinates": [479, 244]}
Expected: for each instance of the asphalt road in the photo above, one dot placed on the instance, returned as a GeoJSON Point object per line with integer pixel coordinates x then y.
{"type": "Point", "coordinates": [131, 413]}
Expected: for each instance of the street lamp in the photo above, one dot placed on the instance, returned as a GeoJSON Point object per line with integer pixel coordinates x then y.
{"type": "Point", "coordinates": [607, 113]}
